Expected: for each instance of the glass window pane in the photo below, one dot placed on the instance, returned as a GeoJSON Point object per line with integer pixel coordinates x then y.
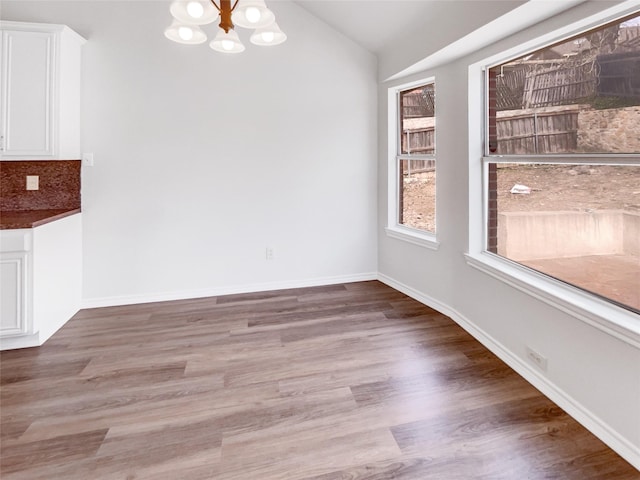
{"type": "Point", "coordinates": [578, 96]}
{"type": "Point", "coordinates": [577, 223]}
{"type": "Point", "coordinates": [417, 199]}
{"type": "Point", "coordinates": [417, 120]}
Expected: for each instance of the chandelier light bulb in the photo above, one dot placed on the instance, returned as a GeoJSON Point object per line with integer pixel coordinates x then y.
{"type": "Point", "coordinates": [268, 37]}
{"type": "Point", "coordinates": [227, 42]}
{"type": "Point", "coordinates": [185, 33]}
{"type": "Point", "coordinates": [193, 12]}
{"type": "Point", "coordinates": [253, 14]}
{"type": "Point", "coordinates": [195, 9]}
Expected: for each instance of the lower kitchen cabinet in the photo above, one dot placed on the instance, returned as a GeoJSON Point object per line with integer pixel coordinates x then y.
{"type": "Point", "coordinates": [41, 280]}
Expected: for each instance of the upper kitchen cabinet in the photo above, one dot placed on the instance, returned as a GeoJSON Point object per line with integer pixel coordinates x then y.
{"type": "Point", "coordinates": [39, 92]}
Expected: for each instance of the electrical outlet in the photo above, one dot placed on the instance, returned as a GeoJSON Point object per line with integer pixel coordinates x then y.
{"type": "Point", "coordinates": [270, 254]}
{"type": "Point", "coordinates": [33, 182]}
{"type": "Point", "coordinates": [537, 359]}
{"type": "Point", "coordinates": [87, 159]}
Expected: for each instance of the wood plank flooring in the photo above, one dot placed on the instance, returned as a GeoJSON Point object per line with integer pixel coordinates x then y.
{"type": "Point", "coordinates": [353, 381]}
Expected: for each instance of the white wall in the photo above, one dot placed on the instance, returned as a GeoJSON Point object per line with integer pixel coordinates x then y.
{"type": "Point", "coordinates": [203, 160]}
{"type": "Point", "coordinates": [591, 374]}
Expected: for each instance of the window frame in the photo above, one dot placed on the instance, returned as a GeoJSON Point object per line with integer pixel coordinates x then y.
{"type": "Point", "coordinates": [394, 228]}
{"type": "Point", "coordinates": [590, 308]}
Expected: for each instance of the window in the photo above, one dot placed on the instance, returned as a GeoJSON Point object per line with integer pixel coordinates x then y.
{"type": "Point", "coordinates": [414, 166]}
{"type": "Point", "coordinates": [562, 161]}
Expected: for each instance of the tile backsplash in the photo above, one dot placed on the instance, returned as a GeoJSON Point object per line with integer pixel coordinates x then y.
{"type": "Point", "coordinates": [58, 185]}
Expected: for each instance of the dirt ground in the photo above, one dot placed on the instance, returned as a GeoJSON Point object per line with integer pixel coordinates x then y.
{"type": "Point", "coordinates": [553, 188]}
{"type": "Point", "coordinates": [569, 187]}
{"type": "Point", "coordinates": [419, 201]}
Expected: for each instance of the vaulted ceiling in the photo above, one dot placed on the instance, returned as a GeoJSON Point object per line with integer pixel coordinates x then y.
{"type": "Point", "coordinates": [445, 29]}
{"type": "Point", "coordinates": [375, 24]}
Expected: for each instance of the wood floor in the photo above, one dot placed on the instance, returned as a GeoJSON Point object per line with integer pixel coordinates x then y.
{"type": "Point", "coordinates": [353, 381]}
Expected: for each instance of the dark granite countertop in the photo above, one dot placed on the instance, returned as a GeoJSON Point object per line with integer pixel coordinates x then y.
{"type": "Point", "coordinates": [14, 219]}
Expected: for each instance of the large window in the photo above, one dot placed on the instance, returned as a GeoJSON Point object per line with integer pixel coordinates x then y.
{"type": "Point", "coordinates": [415, 162]}
{"type": "Point", "coordinates": [562, 161]}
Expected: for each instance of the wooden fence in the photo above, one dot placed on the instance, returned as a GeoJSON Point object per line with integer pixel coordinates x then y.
{"type": "Point", "coordinates": [510, 87]}
{"type": "Point", "coordinates": [560, 85]}
{"type": "Point", "coordinates": [519, 133]}
{"type": "Point", "coordinates": [538, 132]}
{"type": "Point", "coordinates": [419, 102]}
{"type": "Point", "coordinates": [418, 141]}
{"type": "Point", "coordinates": [409, 167]}
{"type": "Point", "coordinates": [619, 74]}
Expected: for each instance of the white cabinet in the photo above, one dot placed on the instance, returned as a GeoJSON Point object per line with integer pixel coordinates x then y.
{"type": "Point", "coordinates": [13, 283]}
{"type": "Point", "coordinates": [41, 275]}
{"type": "Point", "coordinates": [39, 92]}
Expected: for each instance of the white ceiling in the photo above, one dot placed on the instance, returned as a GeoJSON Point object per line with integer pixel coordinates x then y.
{"type": "Point", "coordinates": [443, 30]}
{"type": "Point", "coordinates": [374, 24]}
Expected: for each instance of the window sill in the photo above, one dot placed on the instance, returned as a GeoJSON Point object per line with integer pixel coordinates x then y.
{"type": "Point", "coordinates": [609, 318]}
{"type": "Point", "coordinates": [416, 237]}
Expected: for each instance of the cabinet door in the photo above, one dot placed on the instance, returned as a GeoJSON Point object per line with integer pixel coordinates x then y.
{"type": "Point", "coordinates": [13, 301]}
{"type": "Point", "coordinates": [27, 93]}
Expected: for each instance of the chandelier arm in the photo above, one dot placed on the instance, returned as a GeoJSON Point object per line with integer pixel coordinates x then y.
{"type": "Point", "coordinates": [215, 5]}
{"type": "Point", "coordinates": [234, 5]}
{"type": "Point", "coordinates": [225, 15]}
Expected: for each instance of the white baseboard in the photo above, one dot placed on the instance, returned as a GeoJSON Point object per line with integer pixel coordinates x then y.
{"type": "Point", "coordinates": [225, 290]}
{"type": "Point", "coordinates": [51, 324]}
{"type": "Point", "coordinates": [584, 416]}
{"type": "Point", "coordinates": [20, 341]}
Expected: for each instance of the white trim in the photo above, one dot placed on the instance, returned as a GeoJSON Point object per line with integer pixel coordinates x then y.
{"type": "Point", "coordinates": [22, 341]}
{"type": "Point", "coordinates": [416, 237]}
{"type": "Point", "coordinates": [518, 19]}
{"type": "Point", "coordinates": [606, 317]}
{"type": "Point", "coordinates": [579, 412]}
{"type": "Point", "coordinates": [40, 27]}
{"type": "Point", "coordinates": [226, 290]}
{"type": "Point", "coordinates": [419, 296]}
{"type": "Point", "coordinates": [415, 156]}
{"type": "Point", "coordinates": [413, 84]}
{"type": "Point", "coordinates": [394, 229]}
{"type": "Point", "coordinates": [19, 262]}
{"type": "Point", "coordinates": [620, 159]}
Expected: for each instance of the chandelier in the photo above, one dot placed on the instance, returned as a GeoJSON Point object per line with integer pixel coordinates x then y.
{"type": "Point", "coordinates": [188, 15]}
